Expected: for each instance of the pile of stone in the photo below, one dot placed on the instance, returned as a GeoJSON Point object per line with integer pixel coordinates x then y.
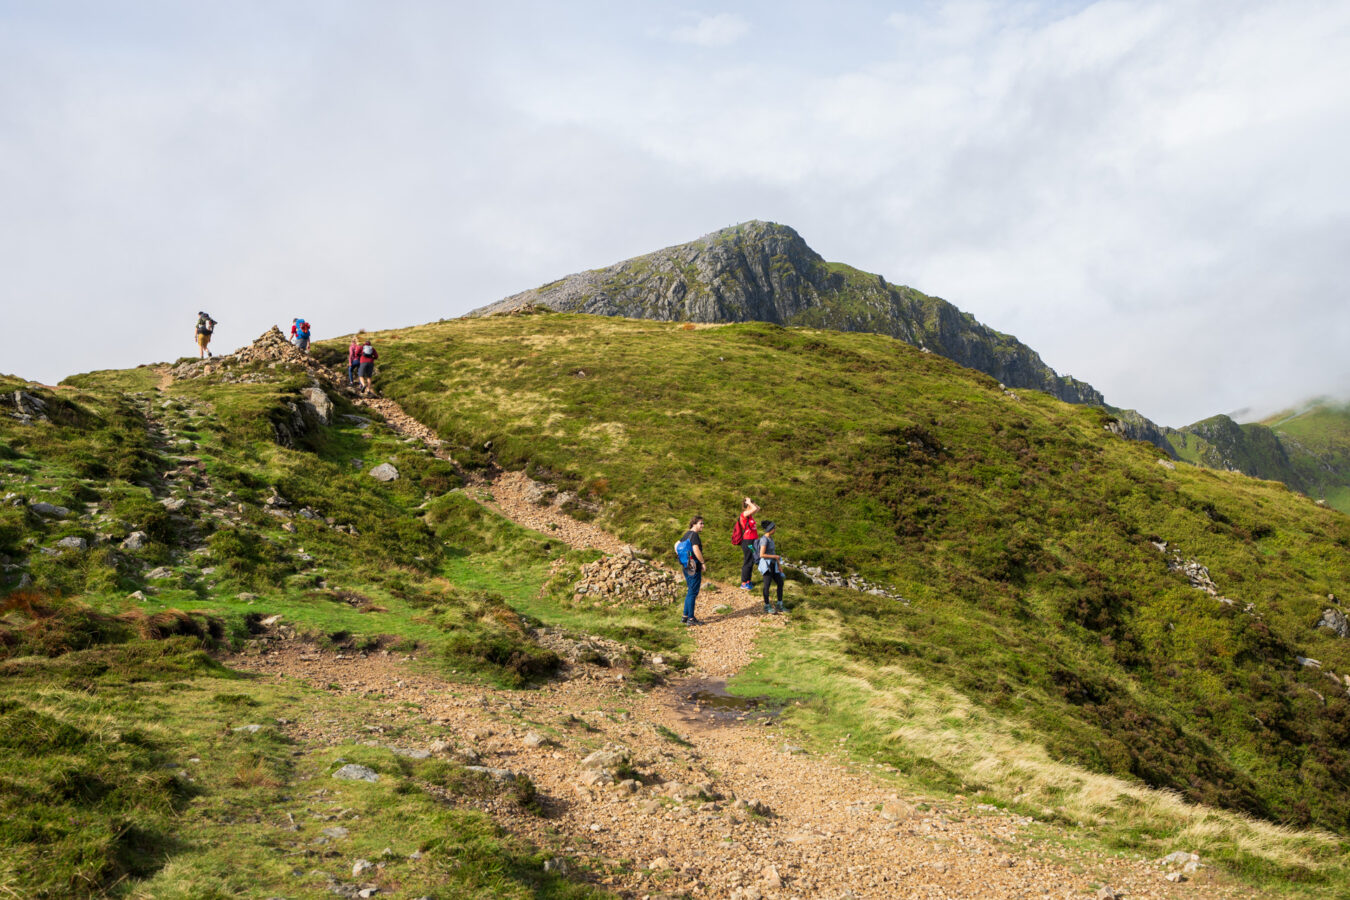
{"type": "Point", "coordinates": [853, 582]}
{"type": "Point", "coordinates": [626, 580]}
{"type": "Point", "coordinates": [271, 349]}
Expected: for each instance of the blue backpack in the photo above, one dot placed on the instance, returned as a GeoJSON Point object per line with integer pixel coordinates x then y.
{"type": "Point", "coordinates": [683, 548]}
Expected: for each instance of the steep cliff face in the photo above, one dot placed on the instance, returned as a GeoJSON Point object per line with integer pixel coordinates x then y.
{"type": "Point", "coordinates": [763, 272]}
{"type": "Point", "coordinates": [1221, 443]}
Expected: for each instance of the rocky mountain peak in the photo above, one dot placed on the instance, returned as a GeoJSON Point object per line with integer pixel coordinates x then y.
{"type": "Point", "coordinates": [765, 272]}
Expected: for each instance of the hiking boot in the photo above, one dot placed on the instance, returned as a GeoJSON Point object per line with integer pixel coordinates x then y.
{"type": "Point", "coordinates": [778, 610]}
{"type": "Point", "coordinates": [767, 609]}
{"type": "Point", "coordinates": [747, 585]}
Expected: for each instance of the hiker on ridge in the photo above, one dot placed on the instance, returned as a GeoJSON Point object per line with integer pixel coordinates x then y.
{"type": "Point", "coordinates": [771, 564]}
{"type": "Point", "coordinates": [693, 569]}
{"type": "Point", "coordinates": [744, 534]}
{"type": "Point", "coordinates": [302, 337]}
{"type": "Point", "coordinates": [353, 359]}
{"type": "Point", "coordinates": [205, 327]}
{"type": "Point", "coordinates": [366, 370]}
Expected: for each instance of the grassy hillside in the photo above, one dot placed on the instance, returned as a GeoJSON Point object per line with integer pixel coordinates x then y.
{"type": "Point", "coordinates": [174, 522]}
{"type": "Point", "coordinates": [1318, 439]}
{"type": "Point", "coordinates": [1021, 530]}
{"type": "Point", "coordinates": [1048, 659]}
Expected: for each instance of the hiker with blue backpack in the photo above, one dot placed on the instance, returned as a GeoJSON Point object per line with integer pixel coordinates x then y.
{"type": "Point", "coordinates": [689, 550]}
{"type": "Point", "coordinates": [771, 565]}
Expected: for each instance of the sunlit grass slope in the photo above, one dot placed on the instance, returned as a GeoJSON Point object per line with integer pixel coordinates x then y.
{"type": "Point", "coordinates": [120, 771]}
{"type": "Point", "coordinates": [1022, 530]}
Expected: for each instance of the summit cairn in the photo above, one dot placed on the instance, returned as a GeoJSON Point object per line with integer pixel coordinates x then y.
{"type": "Point", "coordinates": [270, 350]}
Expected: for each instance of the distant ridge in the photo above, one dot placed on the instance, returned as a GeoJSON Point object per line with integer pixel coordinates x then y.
{"type": "Point", "coordinates": [765, 272]}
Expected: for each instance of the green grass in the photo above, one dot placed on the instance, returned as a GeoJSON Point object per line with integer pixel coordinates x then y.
{"type": "Point", "coordinates": [1048, 658]}
{"type": "Point", "coordinates": [125, 772]}
{"type": "Point", "coordinates": [1020, 528]}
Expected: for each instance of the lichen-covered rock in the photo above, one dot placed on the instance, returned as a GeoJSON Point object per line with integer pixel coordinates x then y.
{"type": "Point", "coordinates": [1334, 620]}
{"type": "Point", "coordinates": [384, 472]}
{"type": "Point", "coordinates": [353, 772]}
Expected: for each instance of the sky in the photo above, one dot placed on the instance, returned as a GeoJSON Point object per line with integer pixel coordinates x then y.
{"type": "Point", "coordinates": [1152, 195]}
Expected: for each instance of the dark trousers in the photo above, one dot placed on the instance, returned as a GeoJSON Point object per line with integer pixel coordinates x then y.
{"type": "Point", "coordinates": [772, 577]}
{"type": "Point", "coordinates": [747, 561]}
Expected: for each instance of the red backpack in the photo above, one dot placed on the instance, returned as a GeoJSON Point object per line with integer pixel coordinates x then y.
{"type": "Point", "coordinates": [738, 531]}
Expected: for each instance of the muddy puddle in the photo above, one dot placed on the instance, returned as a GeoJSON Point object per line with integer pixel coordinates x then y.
{"type": "Point", "coordinates": [706, 700]}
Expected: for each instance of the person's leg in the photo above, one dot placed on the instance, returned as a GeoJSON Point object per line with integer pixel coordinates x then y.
{"type": "Point", "coordinates": [768, 580]}
{"type": "Point", "coordinates": [747, 562]}
{"type": "Point", "coordinates": [780, 579]}
{"type": "Point", "coordinates": [692, 583]}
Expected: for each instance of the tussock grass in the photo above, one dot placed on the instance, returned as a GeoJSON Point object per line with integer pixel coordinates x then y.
{"type": "Point", "coordinates": [936, 739]}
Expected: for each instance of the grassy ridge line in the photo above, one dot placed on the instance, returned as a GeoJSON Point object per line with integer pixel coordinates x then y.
{"type": "Point", "coordinates": [1020, 527]}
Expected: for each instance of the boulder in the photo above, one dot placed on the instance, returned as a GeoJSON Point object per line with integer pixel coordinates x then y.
{"type": "Point", "coordinates": [318, 401]}
{"type": "Point", "coordinates": [384, 472]}
{"type": "Point", "coordinates": [161, 572]}
{"type": "Point", "coordinates": [610, 758]}
{"type": "Point", "coordinates": [1334, 620]}
{"type": "Point", "coordinates": [353, 772]}
{"type": "Point", "coordinates": [50, 510]}
{"type": "Point", "coordinates": [173, 504]}
{"type": "Point", "coordinates": [73, 543]}
{"type": "Point", "coordinates": [135, 541]}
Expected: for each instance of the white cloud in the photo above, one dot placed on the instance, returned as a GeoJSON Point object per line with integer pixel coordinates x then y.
{"type": "Point", "coordinates": [721, 30]}
{"type": "Point", "coordinates": [1148, 193]}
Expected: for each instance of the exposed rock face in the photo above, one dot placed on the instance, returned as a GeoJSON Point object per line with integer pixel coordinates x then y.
{"type": "Point", "coordinates": [1334, 620]}
{"type": "Point", "coordinates": [762, 272]}
{"type": "Point", "coordinates": [1221, 443]}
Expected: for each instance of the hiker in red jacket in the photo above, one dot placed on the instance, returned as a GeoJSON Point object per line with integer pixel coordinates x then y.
{"type": "Point", "coordinates": [744, 533]}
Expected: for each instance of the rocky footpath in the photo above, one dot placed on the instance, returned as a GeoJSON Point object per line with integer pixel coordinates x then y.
{"type": "Point", "coordinates": [654, 795]}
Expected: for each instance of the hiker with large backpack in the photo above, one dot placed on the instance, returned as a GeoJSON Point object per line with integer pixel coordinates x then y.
{"type": "Point", "coordinates": [771, 565]}
{"type": "Point", "coordinates": [366, 370]}
{"type": "Point", "coordinates": [302, 337]}
{"type": "Point", "coordinates": [206, 326]}
{"type": "Point", "coordinates": [689, 551]}
{"type": "Point", "coordinates": [743, 535]}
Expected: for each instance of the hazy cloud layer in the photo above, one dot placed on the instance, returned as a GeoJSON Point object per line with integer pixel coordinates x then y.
{"type": "Point", "coordinates": [1150, 194]}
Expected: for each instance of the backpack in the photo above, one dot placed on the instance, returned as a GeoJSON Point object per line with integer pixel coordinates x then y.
{"type": "Point", "coordinates": [368, 350]}
{"type": "Point", "coordinates": [683, 549]}
{"type": "Point", "coordinates": [738, 531]}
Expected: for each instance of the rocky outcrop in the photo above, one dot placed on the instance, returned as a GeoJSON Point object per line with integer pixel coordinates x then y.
{"type": "Point", "coordinates": [762, 272]}
{"type": "Point", "coordinates": [1334, 620]}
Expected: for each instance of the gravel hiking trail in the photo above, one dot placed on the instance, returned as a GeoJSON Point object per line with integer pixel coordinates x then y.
{"type": "Point", "coordinates": [681, 791]}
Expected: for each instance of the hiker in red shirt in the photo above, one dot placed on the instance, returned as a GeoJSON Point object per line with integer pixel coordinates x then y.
{"type": "Point", "coordinates": [353, 360]}
{"type": "Point", "coordinates": [744, 534]}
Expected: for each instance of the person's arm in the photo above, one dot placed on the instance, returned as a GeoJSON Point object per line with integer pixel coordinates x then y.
{"type": "Point", "coordinates": [698, 552]}
{"type": "Point", "coordinates": [753, 508]}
